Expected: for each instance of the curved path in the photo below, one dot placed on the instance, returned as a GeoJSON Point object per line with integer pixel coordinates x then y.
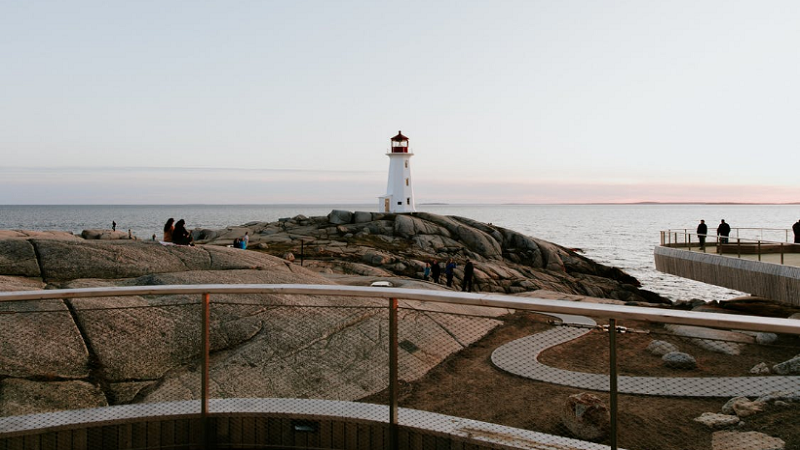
{"type": "Point", "coordinates": [508, 357]}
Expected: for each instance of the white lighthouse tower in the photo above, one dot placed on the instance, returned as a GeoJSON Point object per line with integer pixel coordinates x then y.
{"type": "Point", "coordinates": [399, 196]}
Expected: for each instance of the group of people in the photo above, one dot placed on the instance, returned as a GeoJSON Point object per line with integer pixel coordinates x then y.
{"type": "Point", "coordinates": [242, 242]}
{"type": "Point", "coordinates": [723, 231]}
{"type": "Point", "coordinates": [433, 271]}
{"type": "Point", "coordinates": [176, 232]}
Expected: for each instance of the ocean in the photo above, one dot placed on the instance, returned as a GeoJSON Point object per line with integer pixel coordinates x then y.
{"type": "Point", "coordinates": [617, 235]}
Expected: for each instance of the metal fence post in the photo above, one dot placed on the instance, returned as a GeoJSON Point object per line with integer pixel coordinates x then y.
{"type": "Point", "coordinates": [206, 351]}
{"type": "Point", "coordinates": [759, 250]}
{"type": "Point", "coordinates": [393, 373]}
{"type": "Point", "coordinates": [612, 342]}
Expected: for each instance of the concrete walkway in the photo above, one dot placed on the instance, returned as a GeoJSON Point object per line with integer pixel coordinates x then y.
{"type": "Point", "coordinates": [521, 357]}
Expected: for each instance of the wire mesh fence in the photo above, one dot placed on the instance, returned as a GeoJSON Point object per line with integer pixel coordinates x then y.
{"type": "Point", "coordinates": [496, 375]}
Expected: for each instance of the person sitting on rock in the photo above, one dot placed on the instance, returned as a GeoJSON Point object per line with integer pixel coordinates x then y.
{"type": "Point", "coordinates": [181, 235]}
{"type": "Point", "coordinates": [169, 228]}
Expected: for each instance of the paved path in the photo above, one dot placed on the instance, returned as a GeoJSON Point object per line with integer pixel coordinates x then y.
{"type": "Point", "coordinates": [521, 357]}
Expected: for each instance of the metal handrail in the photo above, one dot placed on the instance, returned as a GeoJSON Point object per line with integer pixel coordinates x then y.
{"type": "Point", "coordinates": [660, 315]}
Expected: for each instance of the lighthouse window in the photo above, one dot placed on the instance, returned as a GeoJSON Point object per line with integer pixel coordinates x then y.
{"type": "Point", "coordinates": [399, 203]}
{"type": "Point", "coordinates": [406, 164]}
{"type": "Point", "coordinates": [408, 201]}
{"type": "Point", "coordinates": [406, 181]}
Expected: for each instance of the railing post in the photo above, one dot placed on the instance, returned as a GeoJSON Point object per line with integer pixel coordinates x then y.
{"type": "Point", "coordinates": [782, 252]}
{"type": "Point", "coordinates": [738, 248]}
{"type": "Point", "coordinates": [662, 238]}
{"type": "Point", "coordinates": [393, 349]}
{"type": "Point", "coordinates": [612, 363]}
{"type": "Point", "coordinates": [759, 250]}
{"type": "Point", "coordinates": [205, 353]}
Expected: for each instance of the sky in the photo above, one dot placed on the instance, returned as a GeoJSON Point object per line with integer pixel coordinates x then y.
{"type": "Point", "coordinates": [272, 102]}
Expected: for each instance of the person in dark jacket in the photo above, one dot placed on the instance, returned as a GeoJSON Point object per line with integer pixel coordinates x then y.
{"type": "Point", "coordinates": [436, 271]}
{"type": "Point", "coordinates": [449, 271]}
{"type": "Point", "coordinates": [181, 235]}
{"type": "Point", "coordinates": [796, 229]}
{"type": "Point", "coordinates": [723, 230]}
{"type": "Point", "coordinates": [469, 272]}
{"type": "Point", "coordinates": [702, 231]}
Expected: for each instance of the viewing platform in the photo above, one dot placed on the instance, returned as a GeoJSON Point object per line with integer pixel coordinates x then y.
{"type": "Point", "coordinates": [747, 262]}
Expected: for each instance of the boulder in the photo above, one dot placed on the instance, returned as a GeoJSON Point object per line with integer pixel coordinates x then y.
{"type": "Point", "coordinates": [766, 338]}
{"type": "Point", "coordinates": [760, 369]}
{"type": "Point", "coordinates": [747, 409]}
{"type": "Point", "coordinates": [18, 258]}
{"type": "Point", "coordinates": [790, 367]}
{"type": "Point", "coordinates": [750, 440]}
{"type": "Point", "coordinates": [49, 396]}
{"type": "Point", "coordinates": [714, 420]}
{"type": "Point", "coordinates": [362, 217]}
{"type": "Point", "coordinates": [339, 217]}
{"type": "Point", "coordinates": [586, 416]}
{"type": "Point", "coordinates": [679, 360]}
{"type": "Point", "coordinates": [727, 408]}
{"type": "Point", "coordinates": [661, 348]}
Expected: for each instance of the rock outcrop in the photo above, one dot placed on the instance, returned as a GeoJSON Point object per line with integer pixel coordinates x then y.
{"type": "Point", "coordinates": [400, 244]}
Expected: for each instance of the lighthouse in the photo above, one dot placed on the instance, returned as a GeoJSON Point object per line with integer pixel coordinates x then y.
{"type": "Point", "coordinates": [399, 197]}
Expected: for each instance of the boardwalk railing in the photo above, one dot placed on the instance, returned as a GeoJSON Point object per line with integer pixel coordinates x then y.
{"type": "Point", "coordinates": [304, 366]}
{"type": "Point", "coordinates": [741, 241]}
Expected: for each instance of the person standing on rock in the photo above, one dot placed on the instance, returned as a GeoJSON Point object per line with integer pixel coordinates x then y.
{"type": "Point", "coordinates": [169, 228]}
{"type": "Point", "coordinates": [113, 226]}
{"type": "Point", "coordinates": [436, 271]}
{"type": "Point", "coordinates": [796, 229]}
{"type": "Point", "coordinates": [723, 230]}
{"type": "Point", "coordinates": [245, 240]}
{"type": "Point", "coordinates": [702, 231]}
{"type": "Point", "coordinates": [469, 272]}
{"type": "Point", "coordinates": [448, 271]}
{"type": "Point", "coordinates": [181, 235]}
{"type": "Point", "coordinates": [426, 273]}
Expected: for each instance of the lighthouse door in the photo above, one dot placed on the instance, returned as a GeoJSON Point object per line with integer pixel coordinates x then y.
{"type": "Point", "coordinates": [386, 205]}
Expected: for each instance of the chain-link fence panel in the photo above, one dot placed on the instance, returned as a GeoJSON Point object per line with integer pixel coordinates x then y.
{"type": "Point", "coordinates": [297, 350]}
{"type": "Point", "coordinates": [63, 355]}
{"type": "Point", "coordinates": [490, 368]}
{"type": "Point", "coordinates": [686, 387]}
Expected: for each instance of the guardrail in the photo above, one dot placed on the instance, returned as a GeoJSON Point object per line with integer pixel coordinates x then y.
{"type": "Point", "coordinates": [436, 346]}
{"type": "Point", "coordinates": [734, 243]}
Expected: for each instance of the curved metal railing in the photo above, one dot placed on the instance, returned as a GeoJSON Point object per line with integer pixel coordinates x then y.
{"type": "Point", "coordinates": [427, 298]}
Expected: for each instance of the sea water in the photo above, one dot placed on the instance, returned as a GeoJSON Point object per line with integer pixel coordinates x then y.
{"type": "Point", "coordinates": [617, 235]}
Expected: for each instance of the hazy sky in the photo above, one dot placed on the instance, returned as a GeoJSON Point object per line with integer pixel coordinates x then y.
{"type": "Point", "coordinates": [295, 101]}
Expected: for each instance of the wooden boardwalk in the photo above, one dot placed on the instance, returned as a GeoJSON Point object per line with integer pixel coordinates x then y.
{"type": "Point", "coordinates": [744, 272]}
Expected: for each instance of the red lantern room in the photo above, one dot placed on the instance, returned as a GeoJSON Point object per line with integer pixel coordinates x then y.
{"type": "Point", "coordinates": [399, 143]}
